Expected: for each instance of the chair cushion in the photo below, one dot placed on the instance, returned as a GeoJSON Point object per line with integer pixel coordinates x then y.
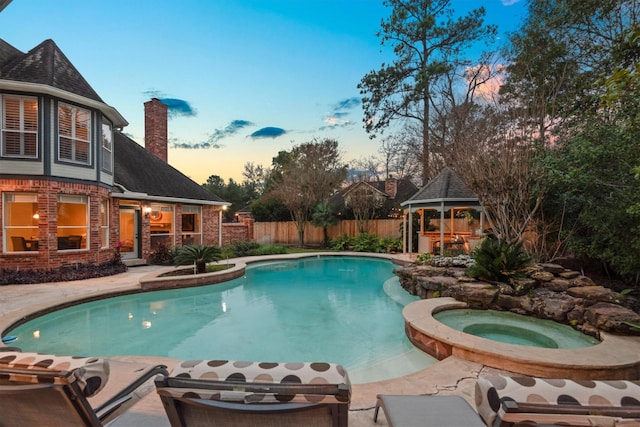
{"type": "Point", "coordinates": [91, 373]}
{"type": "Point", "coordinates": [289, 374]}
{"type": "Point", "coordinates": [492, 391]}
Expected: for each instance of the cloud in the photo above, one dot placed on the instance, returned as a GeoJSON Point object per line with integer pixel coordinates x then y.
{"type": "Point", "coordinates": [232, 128]}
{"type": "Point", "coordinates": [204, 145]}
{"type": "Point", "coordinates": [268, 132]}
{"type": "Point", "coordinates": [178, 107]}
{"type": "Point", "coordinates": [509, 2]}
{"type": "Point", "coordinates": [337, 116]}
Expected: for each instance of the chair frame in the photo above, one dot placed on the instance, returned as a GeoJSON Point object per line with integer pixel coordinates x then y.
{"type": "Point", "coordinates": [62, 384]}
{"type": "Point", "coordinates": [173, 405]}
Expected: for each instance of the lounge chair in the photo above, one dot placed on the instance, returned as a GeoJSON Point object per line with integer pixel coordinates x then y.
{"type": "Point", "coordinates": [511, 401]}
{"type": "Point", "coordinates": [426, 411]}
{"type": "Point", "coordinates": [226, 393]}
{"type": "Point", "coordinates": [46, 390]}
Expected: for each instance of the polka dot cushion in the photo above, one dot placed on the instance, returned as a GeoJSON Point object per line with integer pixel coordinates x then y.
{"type": "Point", "coordinates": [321, 382]}
{"type": "Point", "coordinates": [91, 373]}
{"type": "Point", "coordinates": [492, 391]}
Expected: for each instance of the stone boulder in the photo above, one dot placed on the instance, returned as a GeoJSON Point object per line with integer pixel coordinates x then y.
{"type": "Point", "coordinates": [613, 318]}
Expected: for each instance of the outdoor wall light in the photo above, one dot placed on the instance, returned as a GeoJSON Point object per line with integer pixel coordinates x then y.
{"type": "Point", "coordinates": [147, 211]}
{"type": "Point", "coordinates": [36, 215]}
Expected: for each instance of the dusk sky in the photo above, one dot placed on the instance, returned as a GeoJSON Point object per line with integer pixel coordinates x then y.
{"type": "Point", "coordinates": [243, 79]}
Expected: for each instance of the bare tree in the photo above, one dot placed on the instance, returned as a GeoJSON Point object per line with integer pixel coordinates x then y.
{"type": "Point", "coordinates": [308, 175]}
{"type": "Point", "coordinates": [500, 163]}
{"type": "Point", "coordinates": [364, 200]}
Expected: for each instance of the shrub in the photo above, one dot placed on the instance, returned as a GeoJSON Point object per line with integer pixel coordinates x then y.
{"type": "Point", "coordinates": [269, 250]}
{"type": "Point", "coordinates": [366, 242]}
{"type": "Point", "coordinates": [62, 274]}
{"type": "Point", "coordinates": [391, 244]}
{"type": "Point", "coordinates": [342, 243]}
{"type": "Point", "coordinates": [500, 261]}
{"type": "Point", "coordinates": [239, 249]}
{"type": "Point", "coordinates": [163, 255]}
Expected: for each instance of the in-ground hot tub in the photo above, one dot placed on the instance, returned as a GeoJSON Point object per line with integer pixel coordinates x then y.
{"type": "Point", "coordinates": [614, 357]}
{"type": "Point", "coordinates": [513, 328]}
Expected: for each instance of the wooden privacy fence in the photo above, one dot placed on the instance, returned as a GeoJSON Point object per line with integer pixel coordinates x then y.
{"type": "Point", "coordinates": [286, 233]}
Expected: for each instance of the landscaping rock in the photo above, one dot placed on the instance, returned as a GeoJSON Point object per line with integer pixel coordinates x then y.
{"type": "Point", "coordinates": [569, 274]}
{"type": "Point", "coordinates": [552, 268]}
{"type": "Point", "coordinates": [595, 294]}
{"type": "Point", "coordinates": [557, 284]}
{"type": "Point", "coordinates": [548, 291]}
{"type": "Point", "coordinates": [612, 318]}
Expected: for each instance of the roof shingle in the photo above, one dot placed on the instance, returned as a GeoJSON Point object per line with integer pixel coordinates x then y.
{"type": "Point", "coordinates": [44, 64]}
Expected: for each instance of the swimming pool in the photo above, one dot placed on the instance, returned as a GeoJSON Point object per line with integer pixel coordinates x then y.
{"type": "Point", "coordinates": [338, 309]}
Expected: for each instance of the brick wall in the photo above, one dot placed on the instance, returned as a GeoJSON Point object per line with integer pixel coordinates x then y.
{"type": "Point", "coordinates": [48, 256]}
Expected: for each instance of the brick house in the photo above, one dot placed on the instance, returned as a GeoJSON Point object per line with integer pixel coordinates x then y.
{"type": "Point", "coordinates": [73, 186]}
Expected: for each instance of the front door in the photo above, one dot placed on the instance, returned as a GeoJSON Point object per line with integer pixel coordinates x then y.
{"type": "Point", "coordinates": [129, 225]}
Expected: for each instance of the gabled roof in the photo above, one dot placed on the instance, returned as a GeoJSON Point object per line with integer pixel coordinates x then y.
{"type": "Point", "coordinates": [371, 185]}
{"type": "Point", "coordinates": [447, 185]}
{"type": "Point", "coordinates": [46, 64]}
{"type": "Point", "coordinates": [7, 52]}
{"type": "Point", "coordinates": [141, 175]}
{"type": "Point", "coordinates": [46, 70]}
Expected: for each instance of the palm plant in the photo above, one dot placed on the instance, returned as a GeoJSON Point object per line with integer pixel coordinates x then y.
{"type": "Point", "coordinates": [324, 216]}
{"type": "Point", "coordinates": [499, 260]}
{"type": "Point", "coordinates": [198, 255]}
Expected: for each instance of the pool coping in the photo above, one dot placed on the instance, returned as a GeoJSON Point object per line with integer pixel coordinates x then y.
{"type": "Point", "coordinates": [616, 357]}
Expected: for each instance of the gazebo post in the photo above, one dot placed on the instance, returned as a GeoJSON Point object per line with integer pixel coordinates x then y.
{"type": "Point", "coordinates": [410, 232]}
{"type": "Point", "coordinates": [404, 231]}
{"type": "Point", "coordinates": [441, 228]}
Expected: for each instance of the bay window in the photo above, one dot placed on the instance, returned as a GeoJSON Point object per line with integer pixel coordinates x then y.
{"type": "Point", "coordinates": [20, 219]}
{"type": "Point", "coordinates": [74, 134]}
{"type": "Point", "coordinates": [19, 126]}
{"type": "Point", "coordinates": [73, 222]}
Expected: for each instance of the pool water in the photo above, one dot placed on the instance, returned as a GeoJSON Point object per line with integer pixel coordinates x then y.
{"type": "Point", "coordinates": [512, 328]}
{"type": "Point", "coordinates": [344, 310]}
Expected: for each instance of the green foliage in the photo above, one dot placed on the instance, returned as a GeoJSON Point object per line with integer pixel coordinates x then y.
{"type": "Point", "coordinates": [342, 243]}
{"type": "Point", "coordinates": [269, 250]}
{"type": "Point", "coordinates": [423, 258]}
{"type": "Point", "coordinates": [324, 216]}
{"type": "Point", "coordinates": [499, 260]}
{"type": "Point", "coordinates": [199, 255]}
{"type": "Point", "coordinates": [427, 43]}
{"type": "Point", "coordinates": [391, 244]}
{"type": "Point", "coordinates": [240, 249]}
{"type": "Point", "coordinates": [239, 195]}
{"type": "Point", "coordinates": [267, 209]}
{"type": "Point", "coordinates": [366, 242]}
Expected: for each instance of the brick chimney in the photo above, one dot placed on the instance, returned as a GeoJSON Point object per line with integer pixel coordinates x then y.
{"type": "Point", "coordinates": [391, 187]}
{"type": "Point", "coordinates": [155, 128]}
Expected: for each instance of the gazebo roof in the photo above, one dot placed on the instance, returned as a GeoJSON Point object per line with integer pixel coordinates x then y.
{"type": "Point", "coordinates": [444, 191]}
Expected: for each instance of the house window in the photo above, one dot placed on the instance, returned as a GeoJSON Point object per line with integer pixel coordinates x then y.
{"type": "Point", "coordinates": [19, 124]}
{"type": "Point", "coordinates": [74, 134]}
{"type": "Point", "coordinates": [73, 222]}
{"type": "Point", "coordinates": [20, 218]}
{"type": "Point", "coordinates": [191, 225]}
{"type": "Point", "coordinates": [107, 150]}
{"type": "Point", "coordinates": [104, 223]}
{"type": "Point", "coordinates": [161, 226]}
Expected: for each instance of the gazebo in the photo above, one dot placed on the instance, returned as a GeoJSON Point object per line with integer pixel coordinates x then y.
{"type": "Point", "coordinates": [444, 193]}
